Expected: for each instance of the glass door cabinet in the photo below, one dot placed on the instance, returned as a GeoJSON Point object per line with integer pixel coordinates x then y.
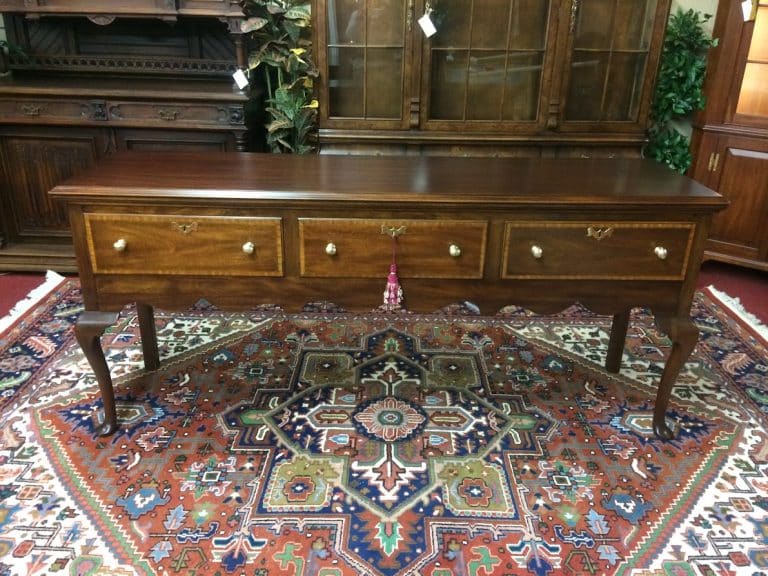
{"type": "Point", "coordinates": [730, 139]}
{"type": "Point", "coordinates": [497, 77]}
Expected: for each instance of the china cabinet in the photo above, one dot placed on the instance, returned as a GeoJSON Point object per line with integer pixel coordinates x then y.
{"type": "Point", "coordinates": [98, 77]}
{"type": "Point", "coordinates": [730, 141]}
{"type": "Point", "coordinates": [498, 77]}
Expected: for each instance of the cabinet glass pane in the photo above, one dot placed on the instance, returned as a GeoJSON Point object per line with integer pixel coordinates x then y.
{"type": "Point", "coordinates": [522, 88]}
{"type": "Point", "coordinates": [449, 86]}
{"type": "Point", "coordinates": [383, 79]}
{"type": "Point", "coordinates": [346, 81]}
{"type": "Point", "coordinates": [611, 43]}
{"type": "Point", "coordinates": [585, 92]}
{"type": "Point", "coordinates": [486, 59]}
{"type": "Point", "coordinates": [753, 97]}
{"type": "Point", "coordinates": [366, 44]}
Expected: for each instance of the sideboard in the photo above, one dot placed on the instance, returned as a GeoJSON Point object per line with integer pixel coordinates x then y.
{"type": "Point", "coordinates": [164, 230]}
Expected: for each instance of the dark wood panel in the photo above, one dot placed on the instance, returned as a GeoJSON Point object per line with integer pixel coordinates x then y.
{"type": "Point", "coordinates": [34, 161]}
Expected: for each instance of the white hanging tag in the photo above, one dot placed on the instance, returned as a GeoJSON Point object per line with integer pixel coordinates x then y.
{"type": "Point", "coordinates": [746, 9]}
{"type": "Point", "coordinates": [240, 79]}
{"type": "Point", "coordinates": [427, 26]}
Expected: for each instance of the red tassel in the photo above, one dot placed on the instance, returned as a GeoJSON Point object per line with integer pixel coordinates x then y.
{"type": "Point", "coordinates": [393, 293]}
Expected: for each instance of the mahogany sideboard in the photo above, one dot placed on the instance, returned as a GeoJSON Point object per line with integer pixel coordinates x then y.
{"type": "Point", "coordinates": [164, 230]}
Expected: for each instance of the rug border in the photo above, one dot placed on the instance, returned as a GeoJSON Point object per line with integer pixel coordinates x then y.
{"type": "Point", "coordinates": [31, 301]}
{"type": "Point", "coordinates": [737, 311]}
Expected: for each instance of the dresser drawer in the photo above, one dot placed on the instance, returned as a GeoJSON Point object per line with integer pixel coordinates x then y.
{"type": "Point", "coordinates": [176, 114]}
{"type": "Point", "coordinates": [362, 248]}
{"type": "Point", "coordinates": [51, 110]}
{"type": "Point", "coordinates": [178, 244]}
{"type": "Point", "coordinates": [597, 250]}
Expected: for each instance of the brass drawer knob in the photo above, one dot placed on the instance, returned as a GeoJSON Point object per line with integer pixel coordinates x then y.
{"type": "Point", "coordinates": [330, 249]}
{"type": "Point", "coordinates": [454, 250]}
{"type": "Point", "coordinates": [536, 251]}
{"type": "Point", "coordinates": [661, 252]}
{"type": "Point", "coordinates": [249, 248]}
{"type": "Point", "coordinates": [120, 245]}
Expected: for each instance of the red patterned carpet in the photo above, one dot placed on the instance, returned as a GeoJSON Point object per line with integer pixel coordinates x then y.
{"type": "Point", "coordinates": [318, 445]}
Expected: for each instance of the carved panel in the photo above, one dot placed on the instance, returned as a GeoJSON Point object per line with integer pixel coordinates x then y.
{"type": "Point", "coordinates": [191, 46]}
{"type": "Point", "coordinates": [33, 163]}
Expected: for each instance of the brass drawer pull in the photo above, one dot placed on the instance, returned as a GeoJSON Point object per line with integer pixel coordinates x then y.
{"type": "Point", "coordinates": [661, 252]}
{"type": "Point", "coordinates": [454, 250]}
{"type": "Point", "coordinates": [599, 233]}
{"type": "Point", "coordinates": [330, 249]}
{"type": "Point", "coordinates": [249, 248]}
{"type": "Point", "coordinates": [537, 252]}
{"type": "Point", "coordinates": [120, 245]}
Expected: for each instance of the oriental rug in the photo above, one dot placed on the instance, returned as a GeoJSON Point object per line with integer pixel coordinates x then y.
{"type": "Point", "coordinates": [319, 444]}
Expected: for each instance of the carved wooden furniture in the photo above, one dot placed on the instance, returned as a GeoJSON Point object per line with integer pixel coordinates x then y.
{"type": "Point", "coordinates": [102, 76]}
{"type": "Point", "coordinates": [166, 230]}
{"type": "Point", "coordinates": [498, 78]}
{"type": "Point", "coordinates": [730, 140]}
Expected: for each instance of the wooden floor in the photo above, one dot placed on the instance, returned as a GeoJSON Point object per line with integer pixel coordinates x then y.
{"type": "Point", "coordinates": [749, 286]}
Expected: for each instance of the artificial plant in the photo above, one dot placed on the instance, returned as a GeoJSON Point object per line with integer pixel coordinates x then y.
{"type": "Point", "coordinates": [280, 30]}
{"type": "Point", "coordinates": [679, 87]}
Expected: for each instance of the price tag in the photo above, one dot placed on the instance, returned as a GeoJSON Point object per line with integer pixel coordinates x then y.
{"type": "Point", "coordinates": [746, 9]}
{"type": "Point", "coordinates": [240, 79]}
{"type": "Point", "coordinates": [427, 26]}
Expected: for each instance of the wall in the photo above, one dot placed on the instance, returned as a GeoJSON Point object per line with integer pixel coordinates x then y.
{"type": "Point", "coordinates": [703, 6]}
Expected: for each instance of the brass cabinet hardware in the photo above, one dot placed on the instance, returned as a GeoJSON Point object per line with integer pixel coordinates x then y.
{"type": "Point", "coordinates": [537, 252]}
{"type": "Point", "coordinates": [330, 249]}
{"type": "Point", "coordinates": [599, 233]}
{"type": "Point", "coordinates": [714, 160]}
{"type": "Point", "coordinates": [454, 250]}
{"type": "Point", "coordinates": [249, 248]}
{"type": "Point", "coordinates": [393, 231]}
{"type": "Point", "coordinates": [184, 228]}
{"type": "Point", "coordinates": [574, 14]}
{"type": "Point", "coordinates": [120, 245]}
{"type": "Point", "coordinates": [660, 252]}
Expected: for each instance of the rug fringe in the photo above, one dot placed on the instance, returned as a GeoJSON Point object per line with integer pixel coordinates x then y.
{"type": "Point", "coordinates": [735, 306]}
{"type": "Point", "coordinates": [52, 281]}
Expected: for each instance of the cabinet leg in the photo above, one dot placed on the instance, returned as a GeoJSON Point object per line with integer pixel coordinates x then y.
{"type": "Point", "coordinates": [616, 343]}
{"type": "Point", "coordinates": [684, 336]}
{"type": "Point", "coordinates": [148, 334]}
{"type": "Point", "coordinates": [88, 330]}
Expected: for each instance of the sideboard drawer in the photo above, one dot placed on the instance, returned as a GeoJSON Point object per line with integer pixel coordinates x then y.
{"type": "Point", "coordinates": [597, 250]}
{"type": "Point", "coordinates": [182, 244]}
{"type": "Point", "coordinates": [362, 248]}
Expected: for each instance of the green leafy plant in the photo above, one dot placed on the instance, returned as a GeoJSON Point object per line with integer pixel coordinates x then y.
{"type": "Point", "coordinates": [678, 90]}
{"type": "Point", "coordinates": [280, 30]}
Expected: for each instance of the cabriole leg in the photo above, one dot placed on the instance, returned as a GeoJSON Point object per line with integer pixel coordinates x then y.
{"type": "Point", "coordinates": [88, 330]}
{"type": "Point", "coordinates": [684, 336]}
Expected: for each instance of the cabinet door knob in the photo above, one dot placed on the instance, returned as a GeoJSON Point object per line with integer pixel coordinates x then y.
{"type": "Point", "coordinates": [661, 252]}
{"type": "Point", "coordinates": [330, 249]}
{"type": "Point", "coordinates": [536, 251]}
{"type": "Point", "coordinates": [120, 245]}
{"type": "Point", "coordinates": [454, 250]}
{"type": "Point", "coordinates": [249, 248]}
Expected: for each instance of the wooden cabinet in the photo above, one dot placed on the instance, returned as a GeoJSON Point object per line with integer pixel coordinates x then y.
{"type": "Point", "coordinates": [730, 142]}
{"type": "Point", "coordinates": [499, 77]}
{"type": "Point", "coordinates": [99, 77]}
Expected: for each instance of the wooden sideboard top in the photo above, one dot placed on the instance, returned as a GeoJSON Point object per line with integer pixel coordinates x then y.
{"type": "Point", "coordinates": [395, 180]}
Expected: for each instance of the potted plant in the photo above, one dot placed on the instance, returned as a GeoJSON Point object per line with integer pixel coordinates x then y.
{"type": "Point", "coordinates": [280, 30]}
{"type": "Point", "coordinates": [679, 88]}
